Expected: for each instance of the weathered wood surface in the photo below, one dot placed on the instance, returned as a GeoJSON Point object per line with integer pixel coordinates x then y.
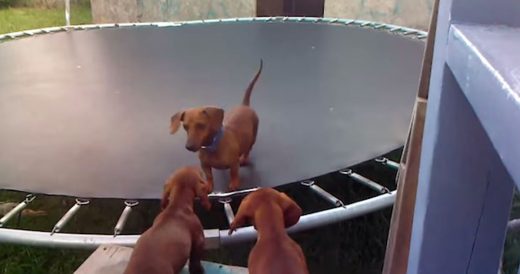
{"type": "Point", "coordinates": [111, 259]}
{"type": "Point", "coordinates": [398, 246]}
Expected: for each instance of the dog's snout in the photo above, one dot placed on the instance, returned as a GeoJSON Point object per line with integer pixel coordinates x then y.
{"type": "Point", "coordinates": [191, 147]}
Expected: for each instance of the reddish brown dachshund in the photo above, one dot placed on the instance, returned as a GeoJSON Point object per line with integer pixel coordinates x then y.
{"type": "Point", "coordinates": [275, 252]}
{"type": "Point", "coordinates": [176, 233]}
{"type": "Point", "coordinates": [221, 143]}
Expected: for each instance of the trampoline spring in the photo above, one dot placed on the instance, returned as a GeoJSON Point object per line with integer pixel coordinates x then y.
{"type": "Point", "coordinates": [230, 216]}
{"type": "Point", "coordinates": [14, 35]}
{"type": "Point", "coordinates": [335, 20]}
{"type": "Point", "coordinates": [63, 221]}
{"type": "Point", "coordinates": [348, 22]}
{"type": "Point", "coordinates": [366, 24]}
{"type": "Point", "coordinates": [365, 181]}
{"type": "Point", "coordinates": [17, 209]}
{"type": "Point", "coordinates": [124, 216]}
{"type": "Point", "coordinates": [387, 162]}
{"type": "Point", "coordinates": [397, 29]}
{"type": "Point", "coordinates": [231, 194]}
{"type": "Point", "coordinates": [324, 194]}
{"type": "Point", "coordinates": [410, 32]}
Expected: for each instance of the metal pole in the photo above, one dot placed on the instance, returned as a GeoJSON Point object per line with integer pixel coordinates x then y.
{"type": "Point", "coordinates": [67, 13]}
{"type": "Point", "coordinates": [214, 238]}
{"type": "Point", "coordinates": [314, 220]}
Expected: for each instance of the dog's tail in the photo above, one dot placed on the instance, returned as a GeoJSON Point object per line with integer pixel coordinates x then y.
{"type": "Point", "coordinates": [247, 95]}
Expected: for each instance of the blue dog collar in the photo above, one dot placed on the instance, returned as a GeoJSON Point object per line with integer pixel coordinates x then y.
{"type": "Point", "coordinates": [216, 140]}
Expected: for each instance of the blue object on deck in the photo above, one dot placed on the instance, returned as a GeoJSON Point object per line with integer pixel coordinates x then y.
{"type": "Point", "coordinates": [215, 268]}
{"type": "Point", "coordinates": [471, 145]}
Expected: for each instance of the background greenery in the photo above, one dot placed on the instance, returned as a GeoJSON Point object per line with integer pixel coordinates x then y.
{"type": "Point", "coordinates": [17, 15]}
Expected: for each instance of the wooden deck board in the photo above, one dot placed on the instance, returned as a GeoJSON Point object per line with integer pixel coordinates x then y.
{"type": "Point", "coordinates": [112, 259]}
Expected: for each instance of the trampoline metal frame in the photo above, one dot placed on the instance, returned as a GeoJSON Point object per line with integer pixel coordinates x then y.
{"type": "Point", "coordinates": [215, 238]}
{"type": "Point", "coordinates": [408, 32]}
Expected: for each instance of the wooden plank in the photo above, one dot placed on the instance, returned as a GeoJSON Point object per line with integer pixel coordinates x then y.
{"type": "Point", "coordinates": [398, 244]}
{"type": "Point", "coordinates": [106, 259]}
{"type": "Point", "coordinates": [111, 259]}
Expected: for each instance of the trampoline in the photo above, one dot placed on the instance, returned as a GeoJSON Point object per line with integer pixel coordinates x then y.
{"type": "Point", "coordinates": [85, 109]}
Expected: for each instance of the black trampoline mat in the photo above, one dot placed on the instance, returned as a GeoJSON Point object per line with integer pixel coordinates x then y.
{"type": "Point", "coordinates": [86, 113]}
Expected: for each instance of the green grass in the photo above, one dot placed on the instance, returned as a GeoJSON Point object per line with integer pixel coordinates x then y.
{"type": "Point", "coordinates": [23, 260]}
{"type": "Point", "coordinates": [18, 19]}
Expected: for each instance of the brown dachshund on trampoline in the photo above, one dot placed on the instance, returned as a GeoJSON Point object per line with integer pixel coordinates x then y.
{"type": "Point", "coordinates": [176, 233]}
{"type": "Point", "coordinates": [271, 212]}
{"type": "Point", "coordinates": [222, 143]}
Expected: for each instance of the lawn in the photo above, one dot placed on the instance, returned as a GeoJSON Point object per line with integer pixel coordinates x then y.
{"type": "Point", "coordinates": [17, 19]}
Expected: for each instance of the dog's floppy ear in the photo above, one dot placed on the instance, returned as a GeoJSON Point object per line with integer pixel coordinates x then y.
{"type": "Point", "coordinates": [291, 210]}
{"type": "Point", "coordinates": [216, 116]}
{"type": "Point", "coordinates": [166, 196]}
{"type": "Point", "coordinates": [175, 121]}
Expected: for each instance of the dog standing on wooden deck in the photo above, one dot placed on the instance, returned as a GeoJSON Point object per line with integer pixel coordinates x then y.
{"type": "Point", "coordinates": [221, 144]}
{"type": "Point", "coordinates": [176, 233]}
{"type": "Point", "coordinates": [275, 252]}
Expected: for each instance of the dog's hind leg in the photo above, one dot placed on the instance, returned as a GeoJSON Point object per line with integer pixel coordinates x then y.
{"type": "Point", "coordinates": [197, 251]}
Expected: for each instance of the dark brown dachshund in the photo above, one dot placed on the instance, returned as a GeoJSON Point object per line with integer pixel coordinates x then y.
{"type": "Point", "coordinates": [176, 233]}
{"type": "Point", "coordinates": [222, 144]}
{"type": "Point", "coordinates": [275, 252]}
